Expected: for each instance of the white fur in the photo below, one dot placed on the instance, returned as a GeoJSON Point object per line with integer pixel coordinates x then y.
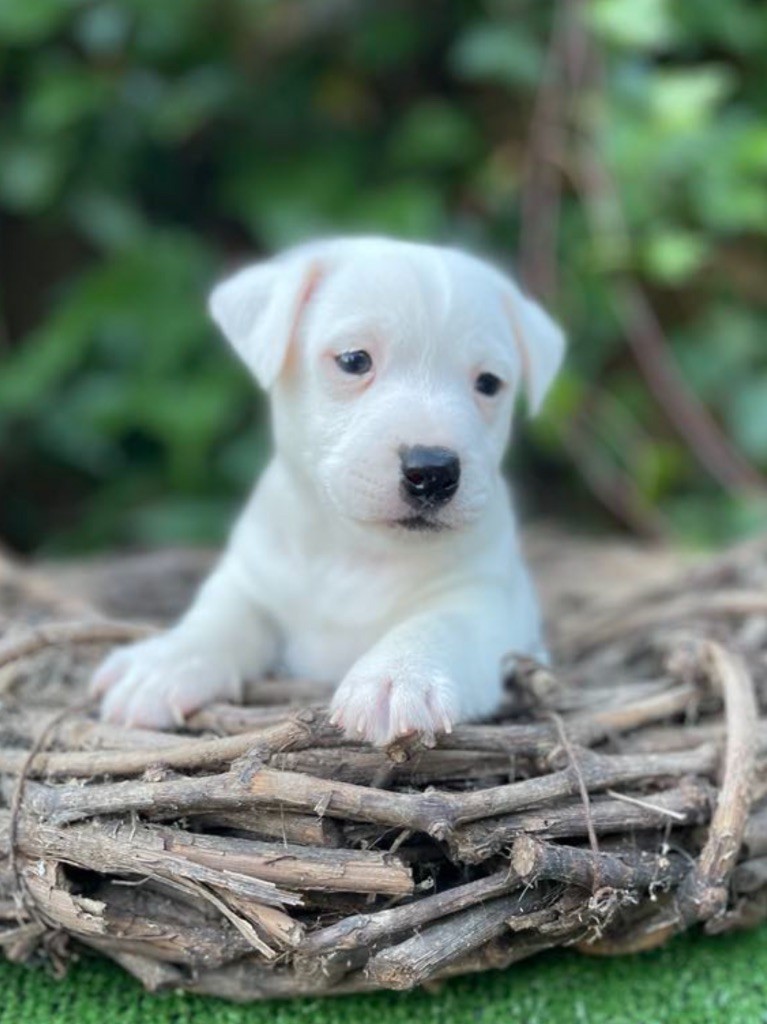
{"type": "Point", "coordinates": [318, 580]}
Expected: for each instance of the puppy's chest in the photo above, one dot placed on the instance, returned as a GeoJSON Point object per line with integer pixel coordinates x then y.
{"type": "Point", "coordinates": [335, 610]}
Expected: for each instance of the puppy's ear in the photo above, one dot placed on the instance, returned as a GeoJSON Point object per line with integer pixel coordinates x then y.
{"type": "Point", "coordinates": [259, 311]}
{"type": "Point", "coordinates": [539, 342]}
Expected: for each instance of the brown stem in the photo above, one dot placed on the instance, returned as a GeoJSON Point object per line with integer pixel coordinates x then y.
{"type": "Point", "coordinates": [249, 868]}
{"type": "Point", "coordinates": [687, 804]}
{"type": "Point", "coordinates": [363, 931]}
{"type": "Point", "coordinates": [62, 634]}
{"type": "Point", "coordinates": [132, 849]}
{"type": "Point", "coordinates": [430, 951]}
{"type": "Point", "coordinates": [622, 623]}
{"type": "Point", "coordinates": [705, 893]}
{"type": "Point", "coordinates": [437, 813]}
{"type": "Point", "coordinates": [637, 870]}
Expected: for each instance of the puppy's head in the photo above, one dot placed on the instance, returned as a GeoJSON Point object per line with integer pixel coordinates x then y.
{"type": "Point", "coordinates": [393, 368]}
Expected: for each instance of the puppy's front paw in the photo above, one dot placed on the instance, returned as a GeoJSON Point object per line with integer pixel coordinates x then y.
{"type": "Point", "coordinates": [380, 705]}
{"type": "Point", "coordinates": [158, 682]}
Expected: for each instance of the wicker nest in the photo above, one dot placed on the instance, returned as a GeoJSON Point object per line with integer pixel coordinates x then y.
{"type": "Point", "coordinates": [613, 804]}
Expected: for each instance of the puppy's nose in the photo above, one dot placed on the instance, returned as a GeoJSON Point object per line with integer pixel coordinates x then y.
{"type": "Point", "coordinates": [429, 476]}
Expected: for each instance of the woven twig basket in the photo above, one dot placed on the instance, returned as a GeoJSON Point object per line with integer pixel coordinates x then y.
{"type": "Point", "coordinates": [612, 804]}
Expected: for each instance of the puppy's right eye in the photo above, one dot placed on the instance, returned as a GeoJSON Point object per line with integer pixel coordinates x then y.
{"type": "Point", "coordinates": [488, 384]}
{"type": "Point", "coordinates": [357, 362]}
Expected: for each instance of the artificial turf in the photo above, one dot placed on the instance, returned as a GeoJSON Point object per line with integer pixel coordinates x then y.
{"type": "Point", "coordinates": [694, 980]}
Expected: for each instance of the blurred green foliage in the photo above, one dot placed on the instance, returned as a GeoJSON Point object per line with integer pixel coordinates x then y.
{"type": "Point", "coordinates": [146, 146]}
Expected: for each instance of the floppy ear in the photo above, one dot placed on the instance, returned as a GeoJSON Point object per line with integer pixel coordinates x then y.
{"type": "Point", "coordinates": [259, 311]}
{"type": "Point", "coordinates": [539, 341]}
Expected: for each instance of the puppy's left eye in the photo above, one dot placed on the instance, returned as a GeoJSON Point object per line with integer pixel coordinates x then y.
{"type": "Point", "coordinates": [357, 362]}
{"type": "Point", "coordinates": [488, 384]}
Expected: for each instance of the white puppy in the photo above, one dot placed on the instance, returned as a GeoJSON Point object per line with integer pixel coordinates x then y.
{"type": "Point", "coordinates": [379, 547]}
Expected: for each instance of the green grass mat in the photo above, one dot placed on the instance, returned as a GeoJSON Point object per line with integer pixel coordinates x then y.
{"type": "Point", "coordinates": [694, 980]}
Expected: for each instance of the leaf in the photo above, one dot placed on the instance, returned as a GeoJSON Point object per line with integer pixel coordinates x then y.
{"type": "Point", "coordinates": [285, 199]}
{"type": "Point", "coordinates": [711, 520]}
{"type": "Point", "coordinates": [386, 39]}
{"type": "Point", "coordinates": [29, 22]}
{"type": "Point", "coordinates": [686, 99]}
{"type": "Point", "coordinates": [434, 134]}
{"type": "Point", "coordinates": [191, 101]}
{"type": "Point", "coordinates": [635, 24]}
{"type": "Point", "coordinates": [674, 255]}
{"type": "Point", "coordinates": [62, 96]}
{"type": "Point", "coordinates": [107, 220]}
{"type": "Point", "coordinates": [411, 209]}
{"type": "Point", "coordinates": [747, 416]}
{"type": "Point", "coordinates": [31, 173]}
{"type": "Point", "coordinates": [497, 52]}
{"type": "Point", "coordinates": [104, 29]}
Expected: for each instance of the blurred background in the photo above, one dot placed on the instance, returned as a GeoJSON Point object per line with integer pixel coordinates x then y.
{"type": "Point", "coordinates": [613, 153]}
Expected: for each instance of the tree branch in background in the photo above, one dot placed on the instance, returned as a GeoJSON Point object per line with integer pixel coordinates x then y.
{"type": "Point", "coordinates": [541, 196]}
{"type": "Point", "coordinates": [688, 415]}
{"type": "Point", "coordinates": [695, 425]}
{"type": "Point", "coordinates": [615, 488]}
{"type": "Point", "coordinates": [540, 206]}
{"type": "Point", "coordinates": [573, 73]}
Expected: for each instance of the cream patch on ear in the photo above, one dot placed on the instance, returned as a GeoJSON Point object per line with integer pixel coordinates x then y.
{"type": "Point", "coordinates": [539, 342]}
{"type": "Point", "coordinates": [314, 275]}
{"type": "Point", "coordinates": [259, 311]}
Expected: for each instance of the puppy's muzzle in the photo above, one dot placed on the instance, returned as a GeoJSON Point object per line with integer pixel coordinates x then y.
{"type": "Point", "coordinates": [430, 476]}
